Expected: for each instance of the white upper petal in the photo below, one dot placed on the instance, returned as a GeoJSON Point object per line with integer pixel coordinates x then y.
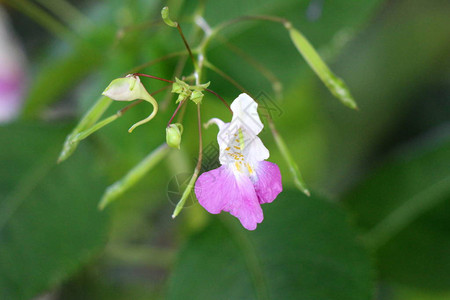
{"type": "Point", "coordinates": [255, 151]}
{"type": "Point", "coordinates": [240, 147]}
{"type": "Point", "coordinates": [245, 114]}
{"type": "Point", "coordinates": [127, 88]}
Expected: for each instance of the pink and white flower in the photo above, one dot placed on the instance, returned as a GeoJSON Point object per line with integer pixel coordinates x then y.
{"type": "Point", "coordinates": [12, 72]}
{"type": "Point", "coordinates": [245, 180]}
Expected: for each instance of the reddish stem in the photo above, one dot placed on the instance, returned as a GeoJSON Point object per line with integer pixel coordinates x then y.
{"type": "Point", "coordinates": [176, 111]}
{"type": "Point", "coordinates": [171, 81]}
{"type": "Point", "coordinates": [221, 99]}
{"type": "Point", "coordinates": [123, 110]}
{"type": "Point", "coordinates": [154, 77]}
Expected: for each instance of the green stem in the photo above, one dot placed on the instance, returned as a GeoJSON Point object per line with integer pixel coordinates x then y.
{"type": "Point", "coordinates": [84, 134]}
{"type": "Point", "coordinates": [198, 167]}
{"type": "Point", "coordinates": [204, 44]}
{"type": "Point", "coordinates": [276, 84]}
{"type": "Point", "coordinates": [133, 176]}
{"type": "Point", "coordinates": [298, 178]}
{"type": "Point", "coordinates": [225, 76]}
{"type": "Point", "coordinates": [156, 60]}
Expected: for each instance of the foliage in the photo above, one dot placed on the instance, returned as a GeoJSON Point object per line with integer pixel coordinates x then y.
{"type": "Point", "coordinates": [392, 56]}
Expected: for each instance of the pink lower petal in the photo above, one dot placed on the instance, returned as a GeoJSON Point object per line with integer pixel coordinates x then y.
{"type": "Point", "coordinates": [268, 183]}
{"type": "Point", "coordinates": [222, 190]}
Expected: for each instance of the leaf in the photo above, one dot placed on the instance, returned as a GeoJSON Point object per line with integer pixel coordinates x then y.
{"type": "Point", "coordinates": [404, 209]}
{"type": "Point", "coordinates": [49, 222]}
{"type": "Point", "coordinates": [304, 249]}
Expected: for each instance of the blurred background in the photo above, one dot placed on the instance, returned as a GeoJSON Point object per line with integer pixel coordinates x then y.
{"type": "Point", "coordinates": [377, 225]}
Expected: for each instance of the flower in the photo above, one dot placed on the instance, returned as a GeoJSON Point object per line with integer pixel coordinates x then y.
{"type": "Point", "coordinates": [12, 72]}
{"type": "Point", "coordinates": [130, 88]}
{"type": "Point", "coordinates": [245, 180]}
{"type": "Point", "coordinates": [127, 88]}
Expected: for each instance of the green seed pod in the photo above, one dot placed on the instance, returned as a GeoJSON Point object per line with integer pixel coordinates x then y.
{"type": "Point", "coordinates": [173, 135]}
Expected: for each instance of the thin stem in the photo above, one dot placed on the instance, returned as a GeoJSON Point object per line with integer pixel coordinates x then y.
{"type": "Point", "coordinates": [156, 60]}
{"type": "Point", "coordinates": [218, 96]}
{"type": "Point", "coordinates": [198, 167]}
{"type": "Point", "coordinates": [224, 25]}
{"type": "Point", "coordinates": [293, 168]}
{"type": "Point", "coordinates": [181, 114]}
{"type": "Point", "coordinates": [276, 84]}
{"type": "Point", "coordinates": [123, 110]}
{"type": "Point", "coordinates": [200, 140]}
{"type": "Point", "coordinates": [257, 17]}
{"type": "Point", "coordinates": [176, 74]}
{"type": "Point", "coordinates": [84, 134]}
{"type": "Point", "coordinates": [124, 30]}
{"type": "Point", "coordinates": [176, 111]}
{"type": "Point", "coordinates": [225, 76]}
{"type": "Point", "coordinates": [187, 45]}
{"type": "Point", "coordinates": [171, 81]}
{"type": "Point", "coordinates": [154, 77]}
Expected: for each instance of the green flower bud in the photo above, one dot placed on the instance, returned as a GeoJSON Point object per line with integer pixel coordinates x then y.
{"type": "Point", "coordinates": [130, 88]}
{"type": "Point", "coordinates": [197, 97]}
{"type": "Point", "coordinates": [166, 18]}
{"type": "Point", "coordinates": [126, 89]}
{"type": "Point", "coordinates": [173, 135]}
{"type": "Point", "coordinates": [176, 88]}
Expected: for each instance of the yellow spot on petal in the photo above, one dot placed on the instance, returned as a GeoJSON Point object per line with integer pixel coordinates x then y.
{"type": "Point", "coordinates": [250, 170]}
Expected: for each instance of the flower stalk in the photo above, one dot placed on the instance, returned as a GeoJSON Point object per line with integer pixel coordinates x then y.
{"type": "Point", "coordinates": [197, 169]}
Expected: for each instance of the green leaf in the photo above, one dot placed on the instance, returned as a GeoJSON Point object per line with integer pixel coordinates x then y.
{"type": "Point", "coordinates": [403, 208]}
{"type": "Point", "coordinates": [49, 222]}
{"type": "Point", "coordinates": [304, 249]}
{"type": "Point", "coordinates": [336, 86]}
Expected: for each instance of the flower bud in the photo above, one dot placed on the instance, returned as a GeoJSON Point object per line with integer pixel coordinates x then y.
{"type": "Point", "coordinates": [197, 97]}
{"type": "Point", "coordinates": [173, 135]}
{"type": "Point", "coordinates": [130, 88]}
{"type": "Point", "coordinates": [126, 89]}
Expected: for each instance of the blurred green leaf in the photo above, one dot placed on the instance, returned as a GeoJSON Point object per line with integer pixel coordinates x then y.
{"type": "Point", "coordinates": [403, 208]}
{"type": "Point", "coordinates": [49, 222]}
{"type": "Point", "coordinates": [304, 249]}
{"type": "Point", "coordinates": [58, 75]}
